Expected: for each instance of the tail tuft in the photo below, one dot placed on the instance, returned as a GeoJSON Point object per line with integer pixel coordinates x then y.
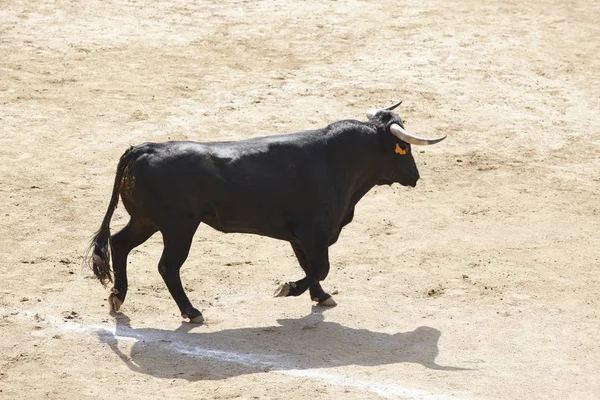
{"type": "Point", "coordinates": [100, 259]}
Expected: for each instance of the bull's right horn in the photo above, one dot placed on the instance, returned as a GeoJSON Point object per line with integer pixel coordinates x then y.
{"type": "Point", "coordinates": [408, 137]}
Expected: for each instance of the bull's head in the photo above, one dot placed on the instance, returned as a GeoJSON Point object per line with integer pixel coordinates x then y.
{"type": "Point", "coordinates": [400, 169]}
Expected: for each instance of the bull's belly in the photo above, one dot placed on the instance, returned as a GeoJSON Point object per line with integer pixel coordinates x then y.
{"type": "Point", "coordinates": [269, 219]}
{"type": "Point", "coordinates": [258, 221]}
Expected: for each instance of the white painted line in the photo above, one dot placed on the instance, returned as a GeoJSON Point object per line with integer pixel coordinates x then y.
{"type": "Point", "coordinates": [387, 390]}
{"type": "Point", "coordinates": [249, 360]}
{"type": "Point", "coordinates": [269, 362]}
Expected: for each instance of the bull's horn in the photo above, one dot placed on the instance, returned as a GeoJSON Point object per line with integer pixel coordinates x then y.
{"type": "Point", "coordinates": [390, 108]}
{"type": "Point", "coordinates": [373, 112]}
{"type": "Point", "coordinates": [402, 134]}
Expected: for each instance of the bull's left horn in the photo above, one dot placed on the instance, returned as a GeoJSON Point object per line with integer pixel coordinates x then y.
{"type": "Point", "coordinates": [408, 137]}
{"type": "Point", "coordinates": [390, 108]}
{"type": "Point", "coordinates": [373, 112]}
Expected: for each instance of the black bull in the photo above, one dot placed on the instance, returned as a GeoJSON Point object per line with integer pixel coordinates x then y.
{"type": "Point", "coordinates": [300, 187]}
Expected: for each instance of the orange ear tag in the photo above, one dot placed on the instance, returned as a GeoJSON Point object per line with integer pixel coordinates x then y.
{"type": "Point", "coordinates": [399, 150]}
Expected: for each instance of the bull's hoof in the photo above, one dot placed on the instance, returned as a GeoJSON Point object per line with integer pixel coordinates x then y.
{"type": "Point", "coordinates": [199, 319]}
{"type": "Point", "coordinates": [284, 289]}
{"type": "Point", "coordinates": [193, 315]}
{"type": "Point", "coordinates": [328, 302]}
{"type": "Point", "coordinates": [113, 301]}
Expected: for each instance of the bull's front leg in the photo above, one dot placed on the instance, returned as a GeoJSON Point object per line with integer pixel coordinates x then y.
{"type": "Point", "coordinates": [320, 296]}
{"type": "Point", "coordinates": [312, 252]}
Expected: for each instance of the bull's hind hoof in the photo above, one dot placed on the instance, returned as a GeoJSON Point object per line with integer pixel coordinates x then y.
{"type": "Point", "coordinates": [113, 301]}
{"type": "Point", "coordinates": [193, 315]}
{"type": "Point", "coordinates": [284, 289]}
{"type": "Point", "coordinates": [198, 319]}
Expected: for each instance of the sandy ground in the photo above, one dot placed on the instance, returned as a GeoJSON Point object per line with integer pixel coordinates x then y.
{"type": "Point", "coordinates": [481, 283]}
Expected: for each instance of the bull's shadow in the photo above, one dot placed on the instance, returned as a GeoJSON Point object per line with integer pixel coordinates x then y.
{"type": "Point", "coordinates": [296, 344]}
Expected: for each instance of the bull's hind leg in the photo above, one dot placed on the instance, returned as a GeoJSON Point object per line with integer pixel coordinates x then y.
{"type": "Point", "coordinates": [136, 232]}
{"type": "Point", "coordinates": [316, 291]}
{"type": "Point", "coordinates": [177, 242]}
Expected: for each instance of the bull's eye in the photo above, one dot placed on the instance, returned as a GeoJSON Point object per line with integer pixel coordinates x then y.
{"type": "Point", "coordinates": [400, 150]}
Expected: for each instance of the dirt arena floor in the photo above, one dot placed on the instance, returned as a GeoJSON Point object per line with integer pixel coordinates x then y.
{"type": "Point", "coordinates": [482, 282]}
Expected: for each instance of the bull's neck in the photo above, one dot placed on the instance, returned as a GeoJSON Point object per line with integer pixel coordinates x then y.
{"type": "Point", "coordinates": [359, 159]}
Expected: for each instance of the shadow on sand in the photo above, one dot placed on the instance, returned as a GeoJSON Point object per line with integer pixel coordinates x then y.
{"type": "Point", "coordinates": [296, 344]}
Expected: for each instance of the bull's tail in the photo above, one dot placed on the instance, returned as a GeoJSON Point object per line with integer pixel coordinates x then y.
{"type": "Point", "coordinates": [100, 247]}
